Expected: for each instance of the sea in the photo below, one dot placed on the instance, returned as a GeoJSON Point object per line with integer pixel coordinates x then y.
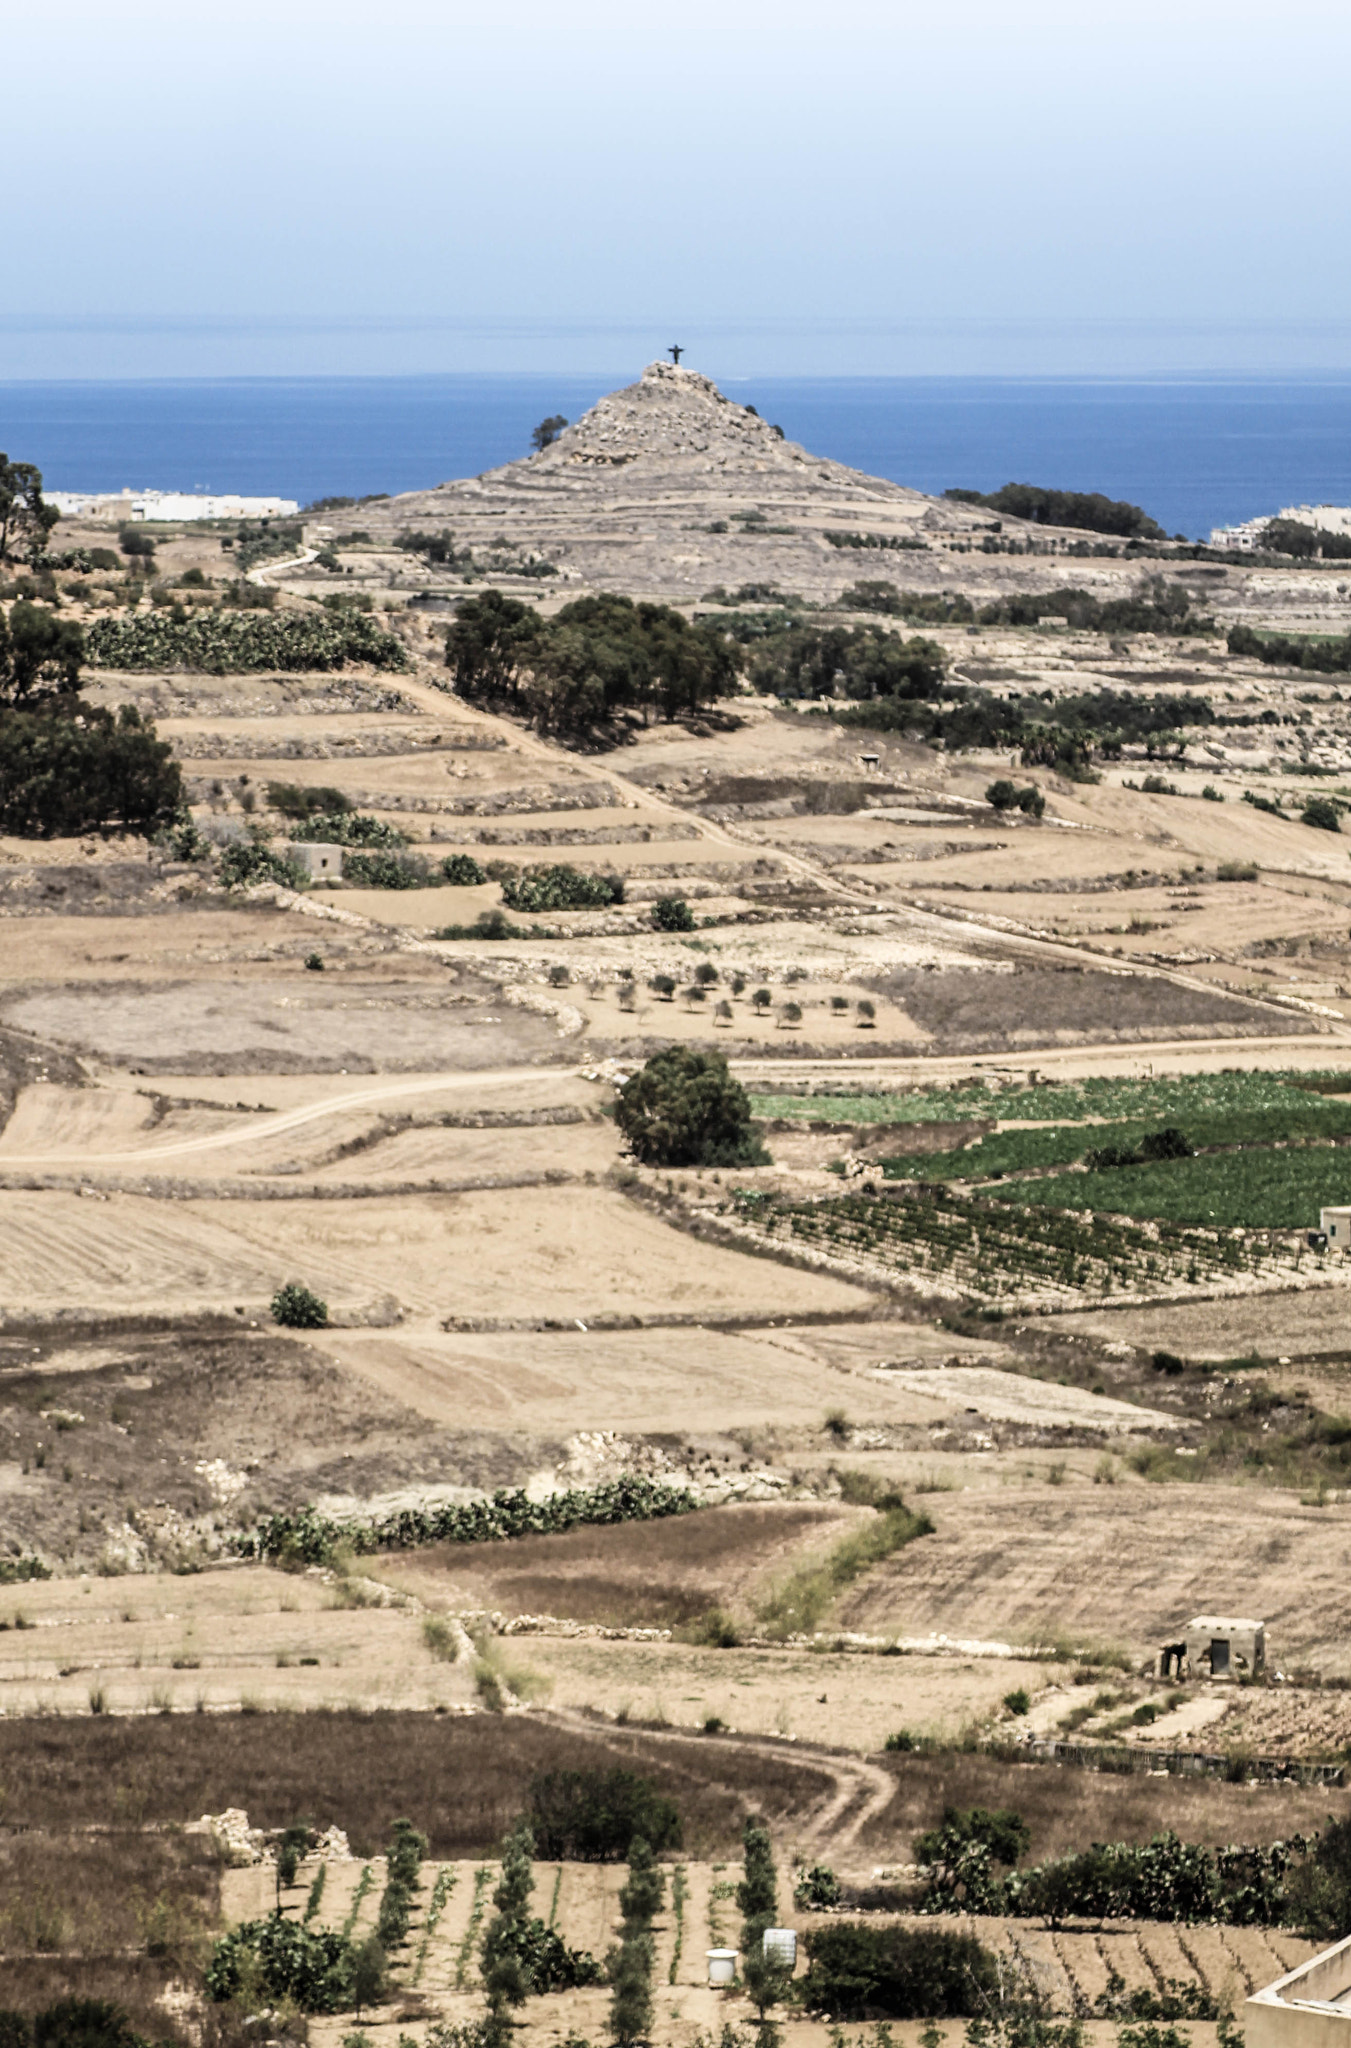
{"type": "Point", "coordinates": [1195, 454]}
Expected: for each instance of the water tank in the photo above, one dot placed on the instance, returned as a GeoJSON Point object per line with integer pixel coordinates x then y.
{"type": "Point", "coordinates": [780, 1945]}
{"type": "Point", "coordinates": [721, 1966]}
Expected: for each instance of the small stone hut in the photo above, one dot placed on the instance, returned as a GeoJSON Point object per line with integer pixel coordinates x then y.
{"type": "Point", "coordinates": [1214, 1646]}
{"type": "Point", "coordinates": [321, 861]}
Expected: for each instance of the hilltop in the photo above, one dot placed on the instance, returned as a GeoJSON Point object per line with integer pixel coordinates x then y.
{"type": "Point", "coordinates": [668, 487]}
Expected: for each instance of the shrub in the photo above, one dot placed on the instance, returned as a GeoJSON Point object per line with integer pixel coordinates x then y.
{"type": "Point", "coordinates": [315, 1967]}
{"type": "Point", "coordinates": [672, 914]}
{"type": "Point", "coordinates": [384, 871]}
{"type": "Point", "coordinates": [243, 865]}
{"type": "Point", "coordinates": [228, 643]}
{"type": "Point", "coordinates": [684, 1109]}
{"type": "Point", "coordinates": [859, 1972]}
{"type": "Point", "coordinates": [816, 1888]}
{"type": "Point", "coordinates": [561, 888]}
{"type": "Point", "coordinates": [1321, 812]}
{"type": "Point", "coordinates": [662, 985]}
{"type": "Point", "coordinates": [294, 800]}
{"type": "Point", "coordinates": [340, 825]}
{"type": "Point", "coordinates": [70, 2023]}
{"type": "Point", "coordinates": [596, 1816]}
{"type": "Point", "coordinates": [900, 1739]}
{"type": "Point", "coordinates": [1236, 871]}
{"type": "Point", "coordinates": [297, 1308]}
{"type": "Point", "coordinates": [462, 871]}
{"type": "Point", "coordinates": [1018, 1701]}
{"type": "Point", "coordinates": [1212, 795]}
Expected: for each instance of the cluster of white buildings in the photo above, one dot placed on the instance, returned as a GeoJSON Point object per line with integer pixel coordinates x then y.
{"type": "Point", "coordinates": [1328, 518]}
{"type": "Point", "coordinates": [133, 508]}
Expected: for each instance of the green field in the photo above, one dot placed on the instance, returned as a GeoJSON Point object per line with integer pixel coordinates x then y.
{"type": "Point", "coordinates": [1305, 1117]}
{"type": "Point", "coordinates": [1252, 1190]}
{"type": "Point", "coordinates": [1169, 1098]}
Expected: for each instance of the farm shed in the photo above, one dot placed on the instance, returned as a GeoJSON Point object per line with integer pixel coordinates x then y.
{"type": "Point", "coordinates": [321, 861]}
{"type": "Point", "coordinates": [1335, 1225]}
{"type": "Point", "coordinates": [1218, 1647]}
{"type": "Point", "coordinates": [1308, 2008]}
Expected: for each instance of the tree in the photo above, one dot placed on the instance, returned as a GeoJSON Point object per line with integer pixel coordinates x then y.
{"type": "Point", "coordinates": [490, 641]}
{"type": "Point", "coordinates": [757, 1895]}
{"type": "Point", "coordinates": [672, 914]}
{"type": "Point", "coordinates": [1322, 812]}
{"type": "Point", "coordinates": [547, 432]}
{"type": "Point", "coordinates": [1319, 1889]}
{"type": "Point", "coordinates": [631, 1964]}
{"type": "Point", "coordinates": [368, 1974]}
{"type": "Point", "coordinates": [642, 1895]}
{"type": "Point", "coordinates": [298, 1308]}
{"type": "Point", "coordinates": [63, 775]}
{"type": "Point", "coordinates": [292, 1846]}
{"type": "Point", "coordinates": [684, 1109]}
{"type": "Point", "coordinates": [505, 1974]}
{"type": "Point", "coordinates": [24, 517]}
{"type": "Point", "coordinates": [40, 655]}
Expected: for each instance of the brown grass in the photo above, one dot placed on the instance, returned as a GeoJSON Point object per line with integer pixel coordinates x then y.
{"type": "Point", "coordinates": [461, 1780]}
{"type": "Point", "coordinates": [133, 1982]}
{"type": "Point", "coordinates": [96, 1893]}
{"type": "Point", "coordinates": [653, 1574]}
{"type": "Point", "coordinates": [1068, 1808]}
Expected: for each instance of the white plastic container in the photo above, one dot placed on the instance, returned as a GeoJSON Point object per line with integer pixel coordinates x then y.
{"type": "Point", "coordinates": [721, 1967]}
{"type": "Point", "coordinates": [780, 1946]}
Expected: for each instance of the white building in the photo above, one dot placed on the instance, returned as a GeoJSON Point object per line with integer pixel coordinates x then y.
{"type": "Point", "coordinates": [1307, 2008]}
{"type": "Point", "coordinates": [134, 507]}
{"type": "Point", "coordinates": [1328, 518]}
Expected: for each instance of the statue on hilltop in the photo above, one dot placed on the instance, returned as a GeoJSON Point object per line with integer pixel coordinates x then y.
{"type": "Point", "coordinates": [675, 352]}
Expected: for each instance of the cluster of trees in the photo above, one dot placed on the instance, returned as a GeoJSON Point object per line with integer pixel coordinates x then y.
{"type": "Point", "coordinates": [438, 550]}
{"type": "Point", "coordinates": [1296, 537]}
{"type": "Point", "coordinates": [1090, 511]}
{"type": "Point", "coordinates": [812, 661]}
{"type": "Point", "coordinates": [65, 770]}
{"type": "Point", "coordinates": [683, 1108]}
{"type": "Point", "coordinates": [1006, 796]}
{"type": "Point", "coordinates": [1063, 733]}
{"type": "Point", "coordinates": [1157, 606]}
{"type": "Point", "coordinates": [598, 656]}
{"type": "Point", "coordinates": [1327, 655]}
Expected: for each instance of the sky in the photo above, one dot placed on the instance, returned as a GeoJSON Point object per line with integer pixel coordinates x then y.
{"type": "Point", "coordinates": [865, 187]}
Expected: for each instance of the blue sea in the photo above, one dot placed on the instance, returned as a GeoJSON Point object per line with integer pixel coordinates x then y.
{"type": "Point", "coordinates": [1195, 454]}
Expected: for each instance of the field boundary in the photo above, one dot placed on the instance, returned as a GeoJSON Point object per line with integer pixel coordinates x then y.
{"type": "Point", "coordinates": [1120, 1758]}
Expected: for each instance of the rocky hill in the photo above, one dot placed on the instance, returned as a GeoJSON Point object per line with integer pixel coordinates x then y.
{"type": "Point", "coordinates": [668, 487]}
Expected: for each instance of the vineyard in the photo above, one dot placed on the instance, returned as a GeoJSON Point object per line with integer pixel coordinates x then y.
{"type": "Point", "coordinates": [1257, 1190]}
{"type": "Point", "coordinates": [1028, 1257]}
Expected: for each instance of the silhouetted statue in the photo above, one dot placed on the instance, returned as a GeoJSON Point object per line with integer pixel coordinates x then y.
{"type": "Point", "coordinates": [675, 352]}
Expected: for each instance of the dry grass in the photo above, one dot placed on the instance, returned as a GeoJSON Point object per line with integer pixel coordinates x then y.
{"type": "Point", "coordinates": [462, 1780]}
{"type": "Point", "coordinates": [1067, 1809]}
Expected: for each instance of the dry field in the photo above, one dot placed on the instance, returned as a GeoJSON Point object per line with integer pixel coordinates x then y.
{"type": "Point", "coordinates": [192, 1111]}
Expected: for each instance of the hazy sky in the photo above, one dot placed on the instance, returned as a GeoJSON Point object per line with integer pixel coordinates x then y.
{"type": "Point", "coordinates": [859, 186]}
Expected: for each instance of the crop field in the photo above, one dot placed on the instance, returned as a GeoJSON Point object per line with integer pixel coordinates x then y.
{"type": "Point", "coordinates": [439, 1955]}
{"type": "Point", "coordinates": [1168, 1098]}
{"type": "Point", "coordinates": [989, 1250]}
{"type": "Point", "coordinates": [1257, 1189]}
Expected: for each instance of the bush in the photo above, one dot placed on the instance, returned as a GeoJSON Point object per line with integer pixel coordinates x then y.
{"type": "Point", "coordinates": [816, 1889]}
{"type": "Point", "coordinates": [859, 1972]}
{"type": "Point", "coordinates": [384, 871]}
{"type": "Point", "coordinates": [1321, 812]}
{"type": "Point", "coordinates": [684, 1109]}
{"type": "Point", "coordinates": [1006, 796]}
{"type": "Point", "coordinates": [58, 776]}
{"type": "Point", "coordinates": [294, 800]}
{"type": "Point", "coordinates": [242, 865]}
{"type": "Point", "coordinates": [340, 825]}
{"type": "Point", "coordinates": [462, 871]}
{"type": "Point", "coordinates": [672, 914]}
{"type": "Point", "coordinates": [226, 643]}
{"type": "Point", "coordinates": [561, 888]}
{"type": "Point", "coordinates": [297, 1308]}
{"type": "Point", "coordinates": [70, 2023]}
{"type": "Point", "coordinates": [596, 1816]}
{"type": "Point", "coordinates": [313, 1966]}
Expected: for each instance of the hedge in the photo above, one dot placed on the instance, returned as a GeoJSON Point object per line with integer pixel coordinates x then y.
{"type": "Point", "coordinates": [231, 643]}
{"type": "Point", "coordinates": [307, 1537]}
